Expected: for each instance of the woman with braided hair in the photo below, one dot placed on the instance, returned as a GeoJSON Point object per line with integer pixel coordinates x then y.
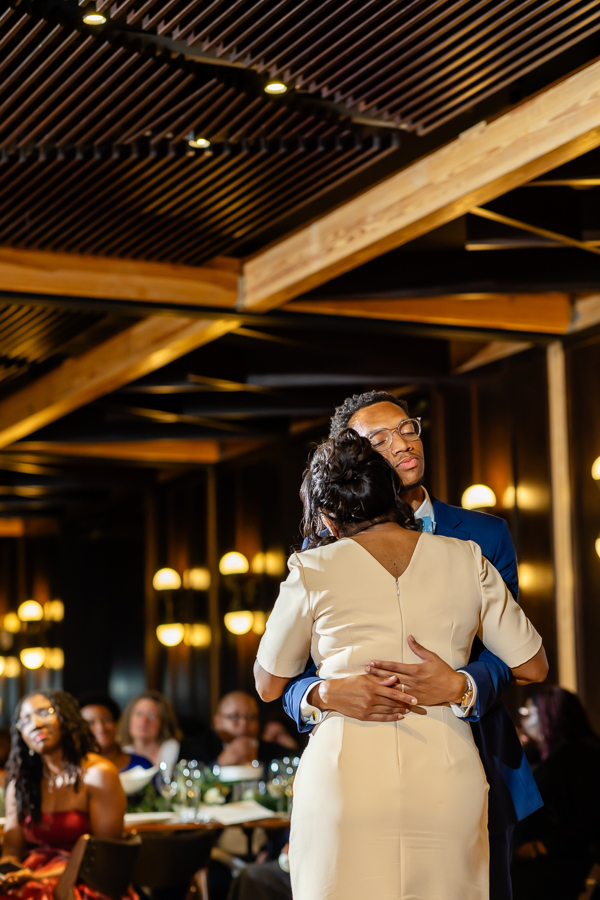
{"type": "Point", "coordinates": [394, 810]}
{"type": "Point", "coordinates": [58, 788]}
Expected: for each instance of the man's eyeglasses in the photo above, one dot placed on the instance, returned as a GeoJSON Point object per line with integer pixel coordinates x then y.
{"type": "Point", "coordinates": [237, 717]}
{"type": "Point", "coordinates": [408, 429]}
{"type": "Point", "coordinates": [25, 722]}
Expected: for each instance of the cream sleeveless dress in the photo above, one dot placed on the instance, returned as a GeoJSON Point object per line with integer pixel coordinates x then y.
{"type": "Point", "coordinates": [391, 810]}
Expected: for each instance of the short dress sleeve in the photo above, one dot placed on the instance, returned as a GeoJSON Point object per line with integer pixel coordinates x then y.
{"type": "Point", "coordinates": [285, 646]}
{"type": "Point", "coordinates": [504, 627]}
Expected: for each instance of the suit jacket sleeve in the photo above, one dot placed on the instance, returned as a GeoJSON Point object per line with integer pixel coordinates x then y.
{"type": "Point", "coordinates": [491, 675]}
{"type": "Point", "coordinates": [293, 694]}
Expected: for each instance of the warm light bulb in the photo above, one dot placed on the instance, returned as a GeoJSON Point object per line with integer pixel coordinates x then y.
{"type": "Point", "coordinates": [259, 622]}
{"type": "Point", "coordinates": [170, 635]}
{"type": "Point", "coordinates": [598, 545]}
{"type": "Point", "coordinates": [12, 623]}
{"type": "Point", "coordinates": [535, 578]}
{"type": "Point", "coordinates": [55, 658]}
{"type": "Point", "coordinates": [94, 19]}
{"type": "Point", "coordinates": [199, 143]}
{"type": "Point", "coordinates": [275, 87]}
{"type": "Point", "coordinates": [596, 469]}
{"type": "Point", "coordinates": [30, 611]}
{"type": "Point", "coordinates": [233, 563]}
{"type": "Point", "coordinates": [12, 667]}
{"type": "Point", "coordinates": [166, 580]}
{"type": "Point", "coordinates": [478, 496]}
{"type": "Point", "coordinates": [2, 665]}
{"type": "Point", "coordinates": [197, 635]}
{"type": "Point", "coordinates": [54, 610]}
{"type": "Point", "coordinates": [196, 579]}
{"type": "Point", "coordinates": [33, 657]}
{"type": "Point", "coordinates": [271, 563]}
{"type": "Point", "coordinates": [239, 622]}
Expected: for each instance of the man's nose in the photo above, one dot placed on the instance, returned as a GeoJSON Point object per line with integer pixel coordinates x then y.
{"type": "Point", "coordinates": [399, 444]}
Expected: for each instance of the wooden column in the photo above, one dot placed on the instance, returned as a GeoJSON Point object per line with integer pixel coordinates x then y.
{"type": "Point", "coordinates": [151, 647]}
{"type": "Point", "coordinates": [561, 517]}
{"type": "Point", "coordinates": [214, 613]}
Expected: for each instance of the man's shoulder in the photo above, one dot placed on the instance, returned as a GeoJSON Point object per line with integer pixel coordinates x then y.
{"type": "Point", "coordinates": [469, 519]}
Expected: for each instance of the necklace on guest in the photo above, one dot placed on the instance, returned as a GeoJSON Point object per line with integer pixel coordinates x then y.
{"type": "Point", "coordinates": [61, 778]}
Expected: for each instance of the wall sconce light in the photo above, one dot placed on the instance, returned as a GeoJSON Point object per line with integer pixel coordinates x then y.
{"type": "Point", "coordinates": [233, 563]}
{"type": "Point", "coordinates": [478, 496]}
{"type": "Point", "coordinates": [596, 469]}
{"type": "Point", "coordinates": [259, 623]}
{"type": "Point", "coordinates": [197, 579]}
{"type": "Point", "coordinates": [33, 657]}
{"type": "Point", "coordinates": [12, 667]}
{"type": "Point", "coordinates": [535, 578]}
{"type": "Point", "coordinates": [275, 87]}
{"type": "Point", "coordinates": [11, 623]}
{"type": "Point", "coordinates": [197, 635]}
{"type": "Point", "coordinates": [55, 658]}
{"type": "Point", "coordinates": [166, 580]}
{"type": "Point", "coordinates": [270, 563]}
{"type": "Point", "coordinates": [30, 611]}
{"type": "Point", "coordinates": [54, 610]}
{"type": "Point", "coordinates": [170, 634]}
{"type": "Point", "coordinates": [598, 545]}
{"type": "Point", "coordinates": [239, 622]}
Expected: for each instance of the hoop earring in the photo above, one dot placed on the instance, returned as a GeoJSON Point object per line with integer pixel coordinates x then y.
{"type": "Point", "coordinates": [31, 752]}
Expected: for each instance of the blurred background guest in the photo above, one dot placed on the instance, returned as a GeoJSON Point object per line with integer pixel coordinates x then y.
{"type": "Point", "coordinates": [4, 753]}
{"type": "Point", "coordinates": [102, 715]}
{"type": "Point", "coordinates": [234, 739]}
{"type": "Point", "coordinates": [264, 881]}
{"type": "Point", "coordinates": [275, 732]}
{"type": "Point", "coordinates": [556, 846]}
{"type": "Point", "coordinates": [58, 788]}
{"type": "Point", "coordinates": [149, 728]}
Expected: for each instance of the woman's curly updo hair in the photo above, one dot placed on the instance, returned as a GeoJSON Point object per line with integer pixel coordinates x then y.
{"type": "Point", "coordinates": [26, 770]}
{"type": "Point", "coordinates": [354, 486]}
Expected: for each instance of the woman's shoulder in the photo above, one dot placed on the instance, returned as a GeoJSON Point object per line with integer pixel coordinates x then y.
{"type": "Point", "coordinates": [98, 770]}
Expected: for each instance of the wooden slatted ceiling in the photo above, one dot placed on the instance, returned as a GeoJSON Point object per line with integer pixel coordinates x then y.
{"type": "Point", "coordinates": [417, 64]}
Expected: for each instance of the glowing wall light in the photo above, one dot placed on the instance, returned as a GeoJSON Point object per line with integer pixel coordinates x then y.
{"type": "Point", "coordinates": [30, 611]}
{"type": "Point", "coordinates": [54, 610]}
{"type": "Point", "coordinates": [478, 496]}
{"type": "Point", "coordinates": [2, 665]}
{"type": "Point", "coordinates": [33, 657]}
{"type": "Point", "coordinates": [233, 563]}
{"type": "Point", "coordinates": [197, 635]}
{"type": "Point", "coordinates": [275, 87]}
{"type": "Point", "coordinates": [271, 563]}
{"type": "Point", "coordinates": [197, 579]}
{"type": "Point", "coordinates": [598, 545]}
{"type": "Point", "coordinates": [259, 622]}
{"type": "Point", "coordinates": [596, 469]}
{"type": "Point", "coordinates": [55, 658]}
{"type": "Point", "coordinates": [239, 622]}
{"type": "Point", "coordinates": [166, 580]}
{"type": "Point", "coordinates": [11, 623]}
{"type": "Point", "coordinates": [12, 667]}
{"type": "Point", "coordinates": [171, 634]}
{"type": "Point", "coordinates": [535, 578]}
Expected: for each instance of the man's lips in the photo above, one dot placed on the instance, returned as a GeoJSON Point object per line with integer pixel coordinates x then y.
{"type": "Point", "coordinates": [408, 462]}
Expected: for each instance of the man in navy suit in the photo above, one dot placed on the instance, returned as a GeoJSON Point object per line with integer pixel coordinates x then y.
{"type": "Point", "coordinates": [387, 689]}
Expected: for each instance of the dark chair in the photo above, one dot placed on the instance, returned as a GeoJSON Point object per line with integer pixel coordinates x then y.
{"type": "Point", "coordinates": [104, 865]}
{"type": "Point", "coordinates": [170, 865]}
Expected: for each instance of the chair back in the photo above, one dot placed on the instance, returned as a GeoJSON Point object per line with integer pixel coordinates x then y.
{"type": "Point", "coordinates": [170, 860]}
{"type": "Point", "coordinates": [104, 865]}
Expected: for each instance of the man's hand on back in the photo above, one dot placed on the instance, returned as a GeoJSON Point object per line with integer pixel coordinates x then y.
{"type": "Point", "coordinates": [363, 697]}
{"type": "Point", "coordinates": [432, 681]}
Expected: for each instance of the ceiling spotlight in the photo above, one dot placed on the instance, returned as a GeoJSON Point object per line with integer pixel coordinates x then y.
{"type": "Point", "coordinates": [199, 144]}
{"type": "Point", "coordinates": [94, 19]}
{"type": "Point", "coordinates": [275, 87]}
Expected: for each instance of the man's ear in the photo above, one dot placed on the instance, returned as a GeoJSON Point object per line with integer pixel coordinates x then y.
{"type": "Point", "coordinates": [331, 525]}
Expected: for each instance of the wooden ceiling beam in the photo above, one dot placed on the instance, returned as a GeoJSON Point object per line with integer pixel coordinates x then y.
{"type": "Point", "coordinates": [35, 271]}
{"type": "Point", "coordinates": [544, 313]}
{"type": "Point", "coordinates": [142, 348]}
{"type": "Point", "coordinates": [550, 129]}
{"type": "Point", "coordinates": [156, 451]}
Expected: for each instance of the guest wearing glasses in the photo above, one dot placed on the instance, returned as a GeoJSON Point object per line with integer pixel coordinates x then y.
{"type": "Point", "coordinates": [102, 715]}
{"type": "Point", "coordinates": [234, 739]}
{"type": "Point", "coordinates": [149, 728]}
{"type": "Point", "coordinates": [58, 788]}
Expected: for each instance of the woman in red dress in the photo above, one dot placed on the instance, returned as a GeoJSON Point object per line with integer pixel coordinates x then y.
{"type": "Point", "coordinates": [58, 788]}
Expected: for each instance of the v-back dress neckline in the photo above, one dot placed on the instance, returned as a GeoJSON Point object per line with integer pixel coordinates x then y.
{"type": "Point", "coordinates": [381, 566]}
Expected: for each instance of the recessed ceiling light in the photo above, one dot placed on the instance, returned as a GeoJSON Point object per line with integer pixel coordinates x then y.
{"type": "Point", "coordinates": [275, 87]}
{"type": "Point", "coordinates": [199, 144]}
{"type": "Point", "coordinates": [94, 19]}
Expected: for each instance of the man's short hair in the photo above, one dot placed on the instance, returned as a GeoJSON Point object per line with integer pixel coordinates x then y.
{"type": "Point", "coordinates": [351, 405]}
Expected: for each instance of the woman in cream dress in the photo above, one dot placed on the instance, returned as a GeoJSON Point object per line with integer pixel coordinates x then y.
{"type": "Point", "coordinates": [390, 810]}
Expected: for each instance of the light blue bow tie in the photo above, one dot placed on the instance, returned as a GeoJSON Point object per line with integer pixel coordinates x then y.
{"type": "Point", "coordinates": [427, 524]}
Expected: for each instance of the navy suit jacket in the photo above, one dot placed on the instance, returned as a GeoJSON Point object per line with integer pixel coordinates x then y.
{"type": "Point", "coordinates": [513, 791]}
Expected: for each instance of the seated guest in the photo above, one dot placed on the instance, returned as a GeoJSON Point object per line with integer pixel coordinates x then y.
{"type": "Point", "coordinates": [102, 715]}
{"type": "Point", "coordinates": [58, 788]}
{"type": "Point", "coordinates": [234, 739]}
{"type": "Point", "coordinates": [149, 728]}
{"type": "Point", "coordinates": [557, 845]}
